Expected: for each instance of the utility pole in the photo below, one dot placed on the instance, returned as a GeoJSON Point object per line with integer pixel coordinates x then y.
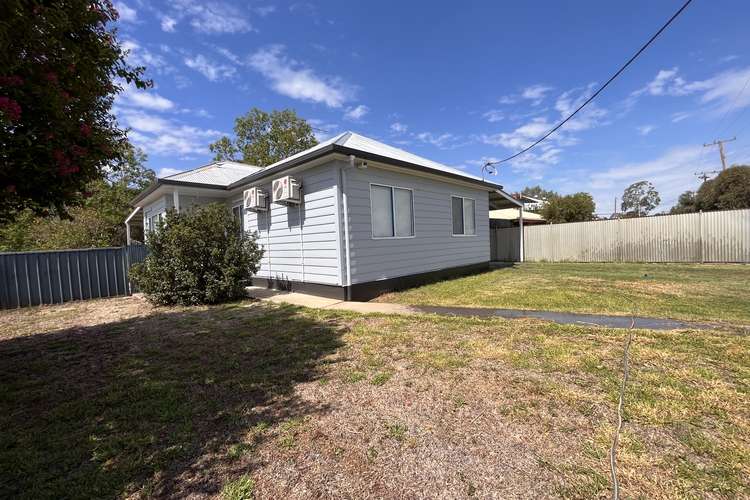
{"type": "Point", "coordinates": [615, 212]}
{"type": "Point", "coordinates": [720, 143]}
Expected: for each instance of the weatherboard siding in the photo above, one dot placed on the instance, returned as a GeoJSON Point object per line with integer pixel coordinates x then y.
{"type": "Point", "coordinates": [433, 246]}
{"type": "Point", "coordinates": [301, 243]}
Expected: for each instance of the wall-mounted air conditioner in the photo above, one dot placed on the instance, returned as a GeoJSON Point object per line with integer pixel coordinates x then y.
{"type": "Point", "coordinates": [286, 190]}
{"type": "Point", "coordinates": [255, 199]}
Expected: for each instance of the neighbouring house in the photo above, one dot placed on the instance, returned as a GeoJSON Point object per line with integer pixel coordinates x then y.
{"type": "Point", "coordinates": [349, 218]}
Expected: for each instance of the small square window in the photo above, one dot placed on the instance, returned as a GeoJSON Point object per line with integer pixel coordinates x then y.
{"type": "Point", "coordinates": [392, 211]}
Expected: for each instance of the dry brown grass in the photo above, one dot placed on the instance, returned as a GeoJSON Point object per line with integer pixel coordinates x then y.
{"type": "Point", "coordinates": [309, 404]}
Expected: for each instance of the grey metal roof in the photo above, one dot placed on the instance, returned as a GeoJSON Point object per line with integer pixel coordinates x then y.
{"type": "Point", "coordinates": [232, 175]}
{"type": "Point", "coordinates": [350, 143]}
{"type": "Point", "coordinates": [222, 173]}
{"type": "Point", "coordinates": [364, 144]}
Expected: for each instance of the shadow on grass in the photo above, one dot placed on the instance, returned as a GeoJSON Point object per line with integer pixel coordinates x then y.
{"type": "Point", "coordinates": [151, 405]}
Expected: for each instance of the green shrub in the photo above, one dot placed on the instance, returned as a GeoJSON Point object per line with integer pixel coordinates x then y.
{"type": "Point", "coordinates": [197, 257]}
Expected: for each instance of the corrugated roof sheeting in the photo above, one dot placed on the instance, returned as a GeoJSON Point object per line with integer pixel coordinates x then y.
{"type": "Point", "coordinates": [700, 237]}
{"type": "Point", "coordinates": [220, 174]}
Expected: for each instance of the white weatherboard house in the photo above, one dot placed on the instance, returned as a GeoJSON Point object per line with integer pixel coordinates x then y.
{"type": "Point", "coordinates": [349, 218]}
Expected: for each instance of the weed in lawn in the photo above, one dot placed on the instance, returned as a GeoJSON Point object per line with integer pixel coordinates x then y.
{"type": "Point", "coordinates": [381, 378]}
{"type": "Point", "coordinates": [239, 450]}
{"type": "Point", "coordinates": [353, 376]}
{"type": "Point", "coordinates": [239, 489]}
{"type": "Point", "coordinates": [396, 431]}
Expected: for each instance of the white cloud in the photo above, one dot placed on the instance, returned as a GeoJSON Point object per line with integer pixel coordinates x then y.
{"type": "Point", "coordinates": [729, 58]}
{"type": "Point", "coordinates": [294, 80]}
{"type": "Point", "coordinates": [728, 91]}
{"type": "Point", "coordinates": [645, 129]}
{"type": "Point", "coordinates": [168, 24]}
{"type": "Point", "coordinates": [399, 128]}
{"type": "Point", "coordinates": [166, 172]}
{"type": "Point", "coordinates": [589, 117]}
{"type": "Point", "coordinates": [127, 14]}
{"type": "Point", "coordinates": [132, 96]}
{"type": "Point", "coordinates": [141, 56]}
{"type": "Point", "coordinates": [494, 115]}
{"type": "Point", "coordinates": [161, 136]}
{"type": "Point", "coordinates": [323, 130]}
{"type": "Point", "coordinates": [212, 70]}
{"type": "Point", "coordinates": [722, 93]}
{"type": "Point", "coordinates": [508, 99]}
{"type": "Point", "coordinates": [441, 141]}
{"type": "Point", "coordinates": [265, 10]}
{"type": "Point", "coordinates": [213, 17]}
{"type": "Point", "coordinates": [228, 54]}
{"type": "Point", "coordinates": [535, 93]}
{"type": "Point", "coordinates": [357, 113]}
{"type": "Point", "coordinates": [681, 115]}
{"type": "Point", "coordinates": [671, 173]}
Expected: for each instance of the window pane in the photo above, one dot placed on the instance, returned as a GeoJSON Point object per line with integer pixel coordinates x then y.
{"type": "Point", "coordinates": [382, 214]}
{"type": "Point", "coordinates": [469, 227]}
{"type": "Point", "coordinates": [404, 214]}
{"type": "Point", "coordinates": [458, 215]}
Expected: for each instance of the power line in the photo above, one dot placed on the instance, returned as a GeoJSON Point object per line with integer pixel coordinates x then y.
{"type": "Point", "coordinates": [593, 96]}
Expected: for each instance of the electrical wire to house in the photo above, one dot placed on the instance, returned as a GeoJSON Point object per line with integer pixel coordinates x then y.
{"type": "Point", "coordinates": [595, 94]}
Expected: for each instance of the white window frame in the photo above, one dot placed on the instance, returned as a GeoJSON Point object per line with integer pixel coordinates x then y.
{"type": "Point", "coordinates": [393, 213]}
{"type": "Point", "coordinates": [462, 198]}
{"type": "Point", "coordinates": [241, 209]}
{"type": "Point", "coordinates": [159, 216]}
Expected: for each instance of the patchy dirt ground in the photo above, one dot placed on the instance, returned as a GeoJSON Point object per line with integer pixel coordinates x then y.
{"type": "Point", "coordinates": [115, 398]}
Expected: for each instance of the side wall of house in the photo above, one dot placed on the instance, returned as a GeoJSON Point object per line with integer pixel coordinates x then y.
{"type": "Point", "coordinates": [433, 246]}
{"type": "Point", "coordinates": [301, 243]}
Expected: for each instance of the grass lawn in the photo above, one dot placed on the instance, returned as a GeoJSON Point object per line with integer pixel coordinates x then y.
{"type": "Point", "coordinates": [679, 291]}
{"type": "Point", "coordinates": [114, 398]}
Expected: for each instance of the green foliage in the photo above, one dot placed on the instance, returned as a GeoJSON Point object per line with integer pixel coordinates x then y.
{"type": "Point", "coordinates": [538, 192]}
{"type": "Point", "coordinates": [730, 190]}
{"type": "Point", "coordinates": [263, 138]}
{"type": "Point", "coordinates": [241, 489]}
{"type": "Point", "coordinates": [727, 191]}
{"type": "Point", "coordinates": [577, 207]}
{"type": "Point", "coordinates": [687, 203]}
{"type": "Point", "coordinates": [59, 64]}
{"type": "Point", "coordinates": [639, 199]}
{"type": "Point", "coordinates": [97, 222]}
{"type": "Point", "coordinates": [197, 257]}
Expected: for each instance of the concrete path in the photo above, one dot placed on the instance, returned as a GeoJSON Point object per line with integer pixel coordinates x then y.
{"type": "Point", "coordinates": [608, 321]}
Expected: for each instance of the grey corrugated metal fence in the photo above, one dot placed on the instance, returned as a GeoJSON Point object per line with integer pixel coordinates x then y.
{"type": "Point", "coordinates": [57, 276]}
{"type": "Point", "coordinates": [699, 237]}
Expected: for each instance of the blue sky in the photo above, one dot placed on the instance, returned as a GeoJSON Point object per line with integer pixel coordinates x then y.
{"type": "Point", "coordinates": [459, 83]}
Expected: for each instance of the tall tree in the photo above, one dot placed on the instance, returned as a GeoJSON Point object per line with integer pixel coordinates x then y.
{"type": "Point", "coordinates": [263, 138]}
{"type": "Point", "coordinates": [577, 207]}
{"type": "Point", "coordinates": [639, 199]}
{"type": "Point", "coordinates": [96, 222]}
{"type": "Point", "coordinates": [59, 67]}
{"type": "Point", "coordinates": [727, 191]}
{"type": "Point", "coordinates": [538, 192]}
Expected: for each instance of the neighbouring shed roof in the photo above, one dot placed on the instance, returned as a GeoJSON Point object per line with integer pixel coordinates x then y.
{"type": "Point", "coordinates": [512, 214]}
{"type": "Point", "coordinates": [220, 173]}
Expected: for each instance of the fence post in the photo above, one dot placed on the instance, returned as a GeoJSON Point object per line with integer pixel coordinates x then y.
{"type": "Point", "coordinates": [700, 234]}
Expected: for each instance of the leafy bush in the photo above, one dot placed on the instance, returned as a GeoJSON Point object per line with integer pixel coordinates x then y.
{"type": "Point", "coordinates": [197, 257]}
